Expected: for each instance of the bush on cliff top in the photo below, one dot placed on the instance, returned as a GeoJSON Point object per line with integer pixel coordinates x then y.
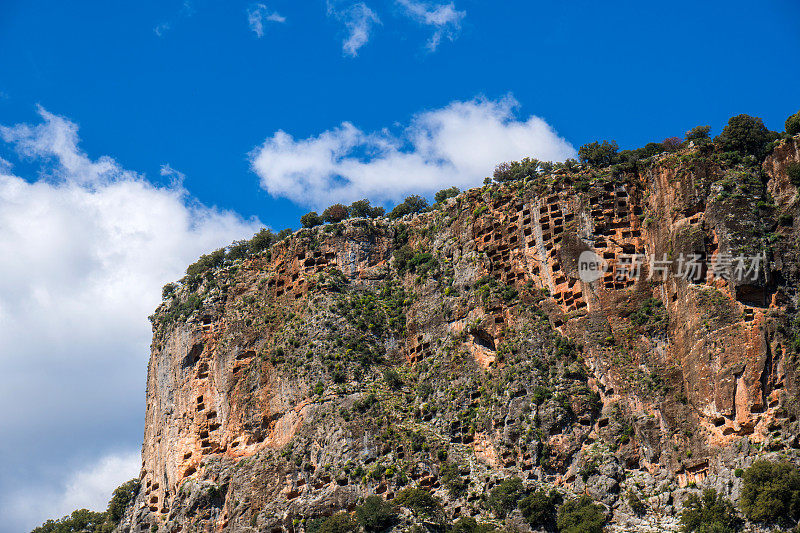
{"type": "Point", "coordinates": [599, 154]}
{"type": "Point", "coordinates": [793, 124]}
{"type": "Point", "coordinates": [412, 204]}
{"type": "Point", "coordinates": [86, 521]}
{"type": "Point", "coordinates": [746, 135]}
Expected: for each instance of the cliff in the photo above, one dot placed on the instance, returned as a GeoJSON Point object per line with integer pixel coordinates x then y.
{"type": "Point", "coordinates": [466, 345]}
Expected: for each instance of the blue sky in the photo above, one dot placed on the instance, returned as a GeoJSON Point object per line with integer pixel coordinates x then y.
{"type": "Point", "coordinates": [136, 136]}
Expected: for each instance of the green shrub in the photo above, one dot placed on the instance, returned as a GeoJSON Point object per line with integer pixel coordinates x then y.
{"type": "Point", "coordinates": [412, 204]}
{"type": "Point", "coordinates": [771, 492]}
{"type": "Point", "coordinates": [205, 263]}
{"type": "Point", "coordinates": [539, 508]}
{"type": "Point", "coordinates": [376, 514]}
{"type": "Point", "coordinates": [456, 483]}
{"type": "Point", "coordinates": [793, 124]}
{"type": "Point", "coordinates": [746, 135]}
{"type": "Point", "coordinates": [237, 250]}
{"type": "Point", "coordinates": [504, 497]}
{"type": "Point", "coordinates": [85, 521]}
{"type": "Point", "coordinates": [581, 515]}
{"type": "Point", "coordinates": [123, 495]}
{"type": "Point", "coordinates": [710, 513]}
{"type": "Point", "coordinates": [636, 504]}
{"type": "Point", "coordinates": [421, 502]}
{"type": "Point", "coordinates": [339, 523]}
{"type": "Point", "coordinates": [168, 291]}
{"type": "Point", "coordinates": [699, 134]}
{"type": "Point", "coordinates": [78, 521]}
{"type": "Point", "coordinates": [309, 220]}
{"type": "Point", "coordinates": [446, 194]}
{"type": "Point", "coordinates": [362, 209]}
{"type": "Point", "coordinates": [470, 525]}
{"type": "Point", "coordinates": [651, 315]}
{"type": "Point", "coordinates": [392, 378]}
{"type": "Point", "coordinates": [261, 241]}
{"type": "Point", "coordinates": [793, 171]}
{"type": "Point", "coordinates": [599, 154]}
{"type": "Point", "coordinates": [517, 170]}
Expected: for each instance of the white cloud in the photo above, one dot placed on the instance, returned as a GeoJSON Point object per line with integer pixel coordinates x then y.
{"type": "Point", "coordinates": [257, 14]}
{"type": "Point", "coordinates": [456, 145]}
{"type": "Point", "coordinates": [89, 487]}
{"type": "Point", "coordinates": [444, 18]}
{"type": "Point", "coordinates": [86, 247]}
{"type": "Point", "coordinates": [161, 28]}
{"type": "Point", "coordinates": [359, 20]}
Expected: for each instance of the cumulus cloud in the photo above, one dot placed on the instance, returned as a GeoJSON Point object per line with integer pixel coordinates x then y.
{"type": "Point", "coordinates": [161, 28]}
{"type": "Point", "coordinates": [456, 145]}
{"type": "Point", "coordinates": [258, 14]}
{"type": "Point", "coordinates": [444, 18]}
{"type": "Point", "coordinates": [86, 247]}
{"type": "Point", "coordinates": [89, 487]}
{"type": "Point", "coordinates": [358, 20]}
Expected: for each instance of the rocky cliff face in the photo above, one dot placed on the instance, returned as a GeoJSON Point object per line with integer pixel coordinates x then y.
{"type": "Point", "coordinates": [459, 347]}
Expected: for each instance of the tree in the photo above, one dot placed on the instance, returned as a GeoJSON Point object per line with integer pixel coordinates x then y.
{"type": "Point", "coordinates": [311, 219]}
{"type": "Point", "coordinates": [122, 496]}
{"type": "Point", "coordinates": [238, 250]}
{"type": "Point", "coordinates": [168, 291]}
{"type": "Point", "coordinates": [282, 234]}
{"type": "Point", "coordinates": [710, 514]}
{"type": "Point", "coordinates": [517, 170]}
{"type": "Point", "coordinates": [420, 501]}
{"type": "Point", "coordinates": [539, 508]}
{"type": "Point", "coordinates": [261, 241]}
{"type": "Point", "coordinates": [599, 154]}
{"type": "Point", "coordinates": [85, 521]}
{"type": "Point", "coordinates": [699, 134]}
{"type": "Point", "coordinates": [581, 515]}
{"type": "Point", "coordinates": [746, 135]}
{"type": "Point", "coordinates": [81, 521]}
{"type": "Point", "coordinates": [793, 124]}
{"type": "Point", "coordinates": [362, 209]}
{"type": "Point", "coordinates": [771, 492]}
{"type": "Point", "coordinates": [671, 144]}
{"type": "Point", "coordinates": [412, 204]}
{"type": "Point", "coordinates": [446, 194]}
{"type": "Point", "coordinates": [335, 213]}
{"type": "Point", "coordinates": [504, 497]}
{"type": "Point", "coordinates": [376, 514]}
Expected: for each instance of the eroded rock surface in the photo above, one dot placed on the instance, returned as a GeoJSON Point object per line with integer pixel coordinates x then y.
{"type": "Point", "coordinates": [362, 357]}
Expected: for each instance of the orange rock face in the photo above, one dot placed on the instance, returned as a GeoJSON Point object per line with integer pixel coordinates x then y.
{"type": "Point", "coordinates": [661, 362]}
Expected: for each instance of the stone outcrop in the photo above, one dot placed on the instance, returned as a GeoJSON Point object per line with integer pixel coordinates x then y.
{"type": "Point", "coordinates": [465, 345]}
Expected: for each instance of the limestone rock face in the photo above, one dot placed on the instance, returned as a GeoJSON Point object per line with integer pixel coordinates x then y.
{"type": "Point", "coordinates": [459, 347]}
